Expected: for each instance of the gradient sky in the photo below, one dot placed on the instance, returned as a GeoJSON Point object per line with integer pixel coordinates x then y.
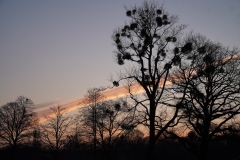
{"type": "Point", "coordinates": [54, 50]}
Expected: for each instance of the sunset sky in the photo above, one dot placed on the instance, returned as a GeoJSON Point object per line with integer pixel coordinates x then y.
{"type": "Point", "coordinates": [52, 51]}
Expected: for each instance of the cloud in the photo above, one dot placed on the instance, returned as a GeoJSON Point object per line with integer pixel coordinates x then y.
{"type": "Point", "coordinates": [44, 105]}
{"type": "Point", "coordinates": [42, 110]}
{"type": "Point", "coordinates": [109, 94]}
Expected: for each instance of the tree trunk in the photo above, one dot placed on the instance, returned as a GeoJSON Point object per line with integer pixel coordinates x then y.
{"type": "Point", "coordinates": [204, 149]}
{"type": "Point", "coordinates": [151, 147]}
{"type": "Point", "coordinates": [14, 149]}
{"type": "Point", "coordinates": [205, 136]}
{"type": "Point", "coordinates": [152, 140]}
{"type": "Point", "coordinates": [13, 152]}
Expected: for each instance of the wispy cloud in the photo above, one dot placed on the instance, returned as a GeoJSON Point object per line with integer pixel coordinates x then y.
{"type": "Point", "coordinates": [109, 94]}
{"type": "Point", "coordinates": [43, 109]}
{"type": "Point", "coordinates": [45, 105]}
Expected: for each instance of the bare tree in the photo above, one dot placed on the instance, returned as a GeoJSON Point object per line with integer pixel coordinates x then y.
{"type": "Point", "coordinates": [55, 130]}
{"type": "Point", "coordinates": [16, 121]}
{"type": "Point", "coordinates": [150, 42]}
{"type": "Point", "coordinates": [106, 120]}
{"type": "Point", "coordinates": [211, 84]}
{"type": "Point", "coordinates": [92, 100]}
{"type": "Point", "coordinates": [115, 120]}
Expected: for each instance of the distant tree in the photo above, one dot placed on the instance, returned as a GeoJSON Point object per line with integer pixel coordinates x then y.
{"type": "Point", "coordinates": [16, 121]}
{"type": "Point", "coordinates": [133, 136]}
{"type": "Point", "coordinates": [115, 120]}
{"type": "Point", "coordinates": [76, 142]}
{"type": "Point", "coordinates": [212, 91]}
{"type": "Point", "coordinates": [107, 120]}
{"type": "Point", "coordinates": [231, 139]}
{"type": "Point", "coordinates": [150, 43]}
{"type": "Point", "coordinates": [36, 138]}
{"type": "Point", "coordinates": [92, 98]}
{"type": "Point", "coordinates": [55, 130]}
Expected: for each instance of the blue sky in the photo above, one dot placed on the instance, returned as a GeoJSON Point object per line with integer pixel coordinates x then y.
{"type": "Point", "coordinates": [54, 50]}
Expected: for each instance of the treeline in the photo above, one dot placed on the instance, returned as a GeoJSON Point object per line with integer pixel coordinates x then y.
{"type": "Point", "coordinates": [124, 149]}
{"type": "Point", "coordinates": [104, 130]}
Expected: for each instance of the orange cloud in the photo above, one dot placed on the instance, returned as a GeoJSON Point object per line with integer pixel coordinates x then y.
{"type": "Point", "coordinates": [109, 94]}
{"type": "Point", "coordinates": [72, 106]}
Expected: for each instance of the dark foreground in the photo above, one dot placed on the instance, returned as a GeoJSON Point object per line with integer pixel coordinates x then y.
{"type": "Point", "coordinates": [165, 150]}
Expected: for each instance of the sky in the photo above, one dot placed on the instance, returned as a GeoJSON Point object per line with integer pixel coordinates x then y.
{"type": "Point", "coordinates": [53, 51]}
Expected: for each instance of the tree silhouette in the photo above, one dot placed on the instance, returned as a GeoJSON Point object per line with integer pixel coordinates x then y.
{"type": "Point", "coordinates": [16, 121]}
{"type": "Point", "coordinates": [114, 121]}
{"type": "Point", "coordinates": [92, 99]}
{"type": "Point", "coordinates": [150, 42]}
{"type": "Point", "coordinates": [211, 84]}
{"type": "Point", "coordinates": [107, 120]}
{"type": "Point", "coordinates": [54, 130]}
